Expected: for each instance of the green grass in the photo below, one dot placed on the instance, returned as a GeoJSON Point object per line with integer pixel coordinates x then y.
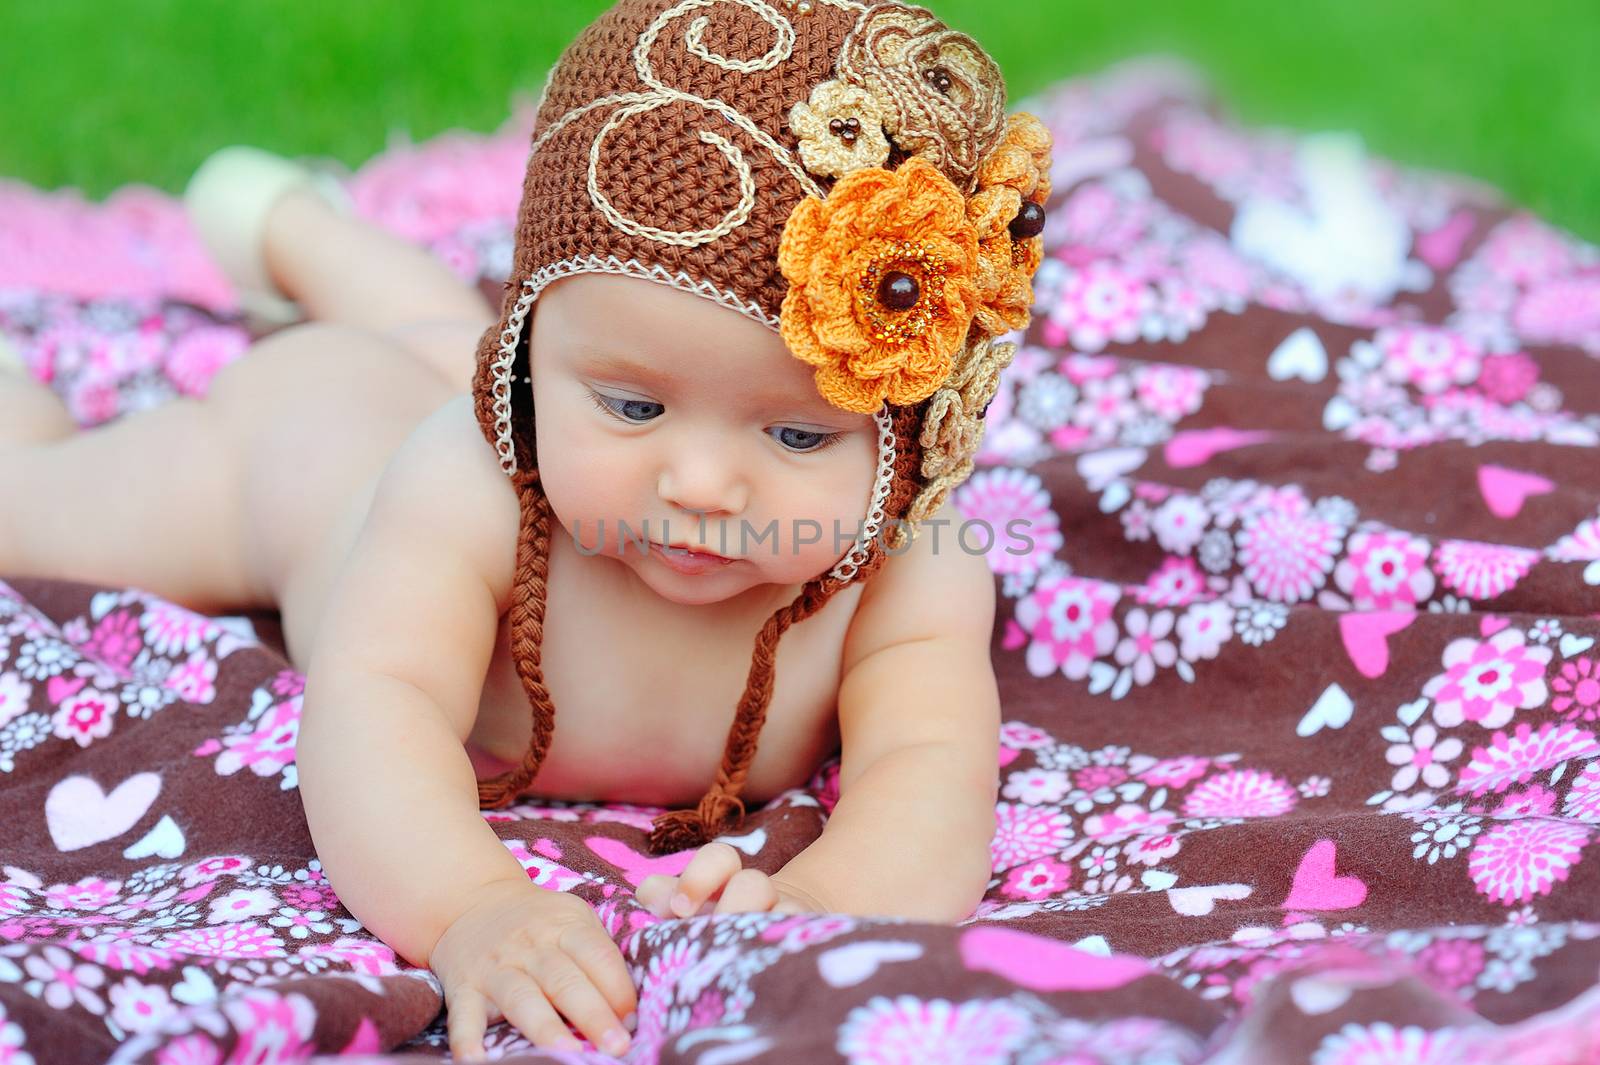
{"type": "Point", "coordinates": [100, 95]}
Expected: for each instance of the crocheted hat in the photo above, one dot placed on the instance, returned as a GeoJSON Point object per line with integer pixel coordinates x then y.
{"type": "Point", "coordinates": [843, 173]}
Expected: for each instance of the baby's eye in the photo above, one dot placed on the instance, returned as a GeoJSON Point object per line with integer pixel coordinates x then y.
{"type": "Point", "coordinates": [804, 440]}
{"type": "Point", "coordinates": [630, 409]}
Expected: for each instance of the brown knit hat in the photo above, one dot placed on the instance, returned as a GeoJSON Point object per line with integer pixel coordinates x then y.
{"type": "Point", "coordinates": [841, 172]}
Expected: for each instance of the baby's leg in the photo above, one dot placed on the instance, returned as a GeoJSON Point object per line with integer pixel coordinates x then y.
{"type": "Point", "coordinates": [216, 503]}
{"type": "Point", "coordinates": [351, 272]}
{"type": "Point", "coordinates": [147, 500]}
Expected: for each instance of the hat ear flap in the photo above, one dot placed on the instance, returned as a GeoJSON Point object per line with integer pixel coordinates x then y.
{"type": "Point", "coordinates": [502, 394]}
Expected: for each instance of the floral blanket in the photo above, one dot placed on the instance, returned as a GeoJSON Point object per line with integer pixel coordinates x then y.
{"type": "Point", "coordinates": [1297, 648]}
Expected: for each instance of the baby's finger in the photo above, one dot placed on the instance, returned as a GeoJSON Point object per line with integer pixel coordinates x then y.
{"type": "Point", "coordinates": [599, 956]}
{"type": "Point", "coordinates": [653, 892]}
{"type": "Point", "coordinates": [526, 1006]}
{"type": "Point", "coordinates": [750, 891]}
{"type": "Point", "coordinates": [711, 867]}
{"type": "Point", "coordinates": [572, 992]}
{"type": "Point", "coordinates": [467, 1019]}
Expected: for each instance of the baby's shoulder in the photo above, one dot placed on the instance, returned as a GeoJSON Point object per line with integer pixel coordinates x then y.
{"type": "Point", "coordinates": [940, 585]}
{"type": "Point", "coordinates": [446, 480]}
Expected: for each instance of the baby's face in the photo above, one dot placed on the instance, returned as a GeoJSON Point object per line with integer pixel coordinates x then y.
{"type": "Point", "coordinates": [695, 426]}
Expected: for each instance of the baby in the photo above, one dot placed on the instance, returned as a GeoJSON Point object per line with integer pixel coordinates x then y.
{"type": "Point", "coordinates": [772, 250]}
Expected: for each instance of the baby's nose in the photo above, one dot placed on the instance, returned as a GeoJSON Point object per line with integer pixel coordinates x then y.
{"type": "Point", "coordinates": [708, 487]}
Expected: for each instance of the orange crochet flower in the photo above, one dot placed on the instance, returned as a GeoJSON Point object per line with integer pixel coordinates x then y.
{"type": "Point", "coordinates": [1015, 174]}
{"type": "Point", "coordinates": [881, 284]}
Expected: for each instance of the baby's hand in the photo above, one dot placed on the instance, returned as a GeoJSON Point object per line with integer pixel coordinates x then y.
{"type": "Point", "coordinates": [717, 868]}
{"type": "Point", "coordinates": [523, 953]}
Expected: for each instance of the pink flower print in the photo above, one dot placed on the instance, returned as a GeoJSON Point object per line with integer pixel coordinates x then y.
{"type": "Point", "coordinates": [288, 682]}
{"type": "Point", "coordinates": [123, 954]}
{"type": "Point", "coordinates": [241, 904]}
{"type": "Point", "coordinates": [171, 630]}
{"type": "Point", "coordinates": [1519, 757]}
{"type": "Point", "coordinates": [11, 1042]}
{"type": "Point", "coordinates": [194, 679]}
{"type": "Point", "coordinates": [61, 980]}
{"type": "Point", "coordinates": [1211, 263]}
{"type": "Point", "coordinates": [1429, 358]}
{"type": "Point", "coordinates": [1385, 571]}
{"type": "Point", "coordinates": [1038, 880]}
{"type": "Point", "coordinates": [199, 353]}
{"type": "Point", "coordinates": [1173, 392]}
{"type": "Point", "coordinates": [1176, 772]}
{"type": "Point", "coordinates": [1152, 850]}
{"type": "Point", "coordinates": [1105, 406]}
{"type": "Point", "coordinates": [1126, 821]}
{"type": "Point", "coordinates": [1203, 629]}
{"type": "Point", "coordinates": [116, 640]}
{"type": "Point", "coordinates": [1580, 545]}
{"type": "Point", "coordinates": [1024, 737]}
{"type": "Point", "coordinates": [1382, 1043]}
{"type": "Point", "coordinates": [1178, 582]}
{"type": "Point", "coordinates": [1027, 532]}
{"type": "Point", "coordinates": [210, 869]}
{"type": "Point", "coordinates": [239, 939]}
{"type": "Point", "coordinates": [1508, 378]}
{"type": "Point", "coordinates": [90, 893]}
{"type": "Point", "coordinates": [1025, 833]}
{"type": "Point", "coordinates": [1487, 681]}
{"type": "Point", "coordinates": [1525, 250]}
{"type": "Point", "coordinates": [1035, 786]}
{"type": "Point", "coordinates": [1097, 777]}
{"type": "Point", "coordinates": [1179, 523]}
{"type": "Point", "coordinates": [1420, 755]}
{"type": "Point", "coordinates": [1577, 689]}
{"type": "Point", "coordinates": [1482, 571]}
{"type": "Point", "coordinates": [1241, 793]}
{"type": "Point", "coordinates": [1098, 304]}
{"type": "Point", "coordinates": [1532, 801]}
{"type": "Point", "coordinates": [1287, 556]}
{"type": "Point", "coordinates": [1136, 521]}
{"type": "Point", "coordinates": [14, 695]}
{"type": "Point", "coordinates": [1451, 964]}
{"type": "Point", "coordinates": [136, 1005]}
{"type": "Point", "coordinates": [1070, 622]}
{"type": "Point", "coordinates": [1145, 647]}
{"type": "Point", "coordinates": [86, 716]}
{"type": "Point", "coordinates": [268, 747]}
{"type": "Point", "coordinates": [1561, 311]}
{"type": "Point", "coordinates": [907, 1028]}
{"type": "Point", "coordinates": [1518, 860]}
{"type": "Point", "coordinates": [1583, 798]}
{"type": "Point", "coordinates": [270, 1026]}
{"type": "Point", "coordinates": [368, 956]}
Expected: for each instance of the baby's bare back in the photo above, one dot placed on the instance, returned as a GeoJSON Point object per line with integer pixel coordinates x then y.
{"type": "Point", "coordinates": [644, 690]}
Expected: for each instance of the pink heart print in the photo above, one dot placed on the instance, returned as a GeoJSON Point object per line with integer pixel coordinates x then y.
{"type": "Point", "coordinates": [1441, 247]}
{"type": "Point", "coordinates": [1196, 447]}
{"type": "Point", "coordinates": [1317, 888]}
{"type": "Point", "coordinates": [1504, 491]}
{"type": "Point", "coordinates": [60, 689]}
{"type": "Point", "coordinates": [1046, 964]}
{"type": "Point", "coordinates": [636, 866]}
{"type": "Point", "coordinates": [1366, 637]}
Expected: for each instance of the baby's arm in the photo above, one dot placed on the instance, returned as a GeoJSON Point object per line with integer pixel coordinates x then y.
{"type": "Point", "coordinates": [919, 721]}
{"type": "Point", "coordinates": [393, 686]}
{"type": "Point", "coordinates": [392, 689]}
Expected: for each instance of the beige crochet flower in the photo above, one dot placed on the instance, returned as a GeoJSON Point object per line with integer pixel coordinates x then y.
{"type": "Point", "coordinates": [840, 130]}
{"type": "Point", "coordinates": [952, 425]}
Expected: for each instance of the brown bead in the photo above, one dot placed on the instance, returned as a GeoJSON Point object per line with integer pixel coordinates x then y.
{"type": "Point", "coordinates": [835, 125]}
{"type": "Point", "coordinates": [1029, 221]}
{"type": "Point", "coordinates": [938, 78]}
{"type": "Point", "coordinates": [899, 290]}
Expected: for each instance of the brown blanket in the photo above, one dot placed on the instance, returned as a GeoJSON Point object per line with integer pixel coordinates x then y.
{"type": "Point", "coordinates": [1294, 494]}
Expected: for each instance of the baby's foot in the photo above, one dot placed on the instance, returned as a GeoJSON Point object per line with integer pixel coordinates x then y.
{"type": "Point", "coordinates": [229, 200]}
{"type": "Point", "coordinates": [29, 412]}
